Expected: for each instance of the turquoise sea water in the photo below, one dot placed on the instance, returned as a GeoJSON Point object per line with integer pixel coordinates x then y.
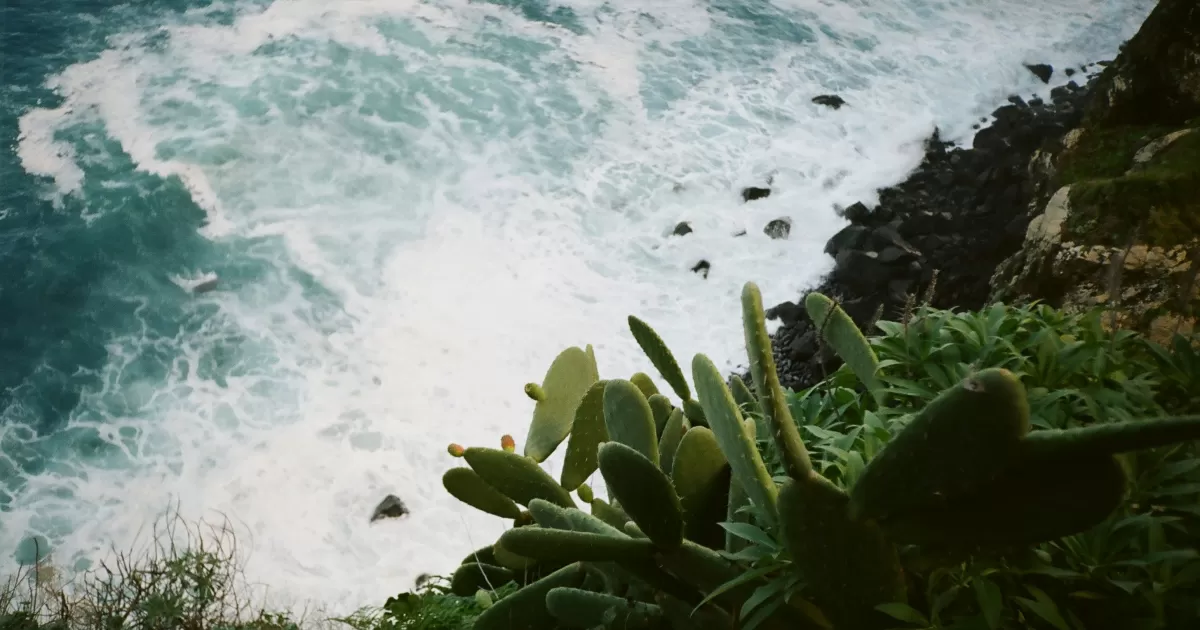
{"type": "Point", "coordinates": [411, 206]}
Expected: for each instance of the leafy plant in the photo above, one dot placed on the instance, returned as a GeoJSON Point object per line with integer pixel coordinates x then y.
{"type": "Point", "coordinates": [945, 479]}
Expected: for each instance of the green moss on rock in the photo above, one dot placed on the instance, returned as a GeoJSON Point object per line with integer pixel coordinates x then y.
{"type": "Point", "coordinates": [1104, 152]}
{"type": "Point", "coordinates": [1160, 198]}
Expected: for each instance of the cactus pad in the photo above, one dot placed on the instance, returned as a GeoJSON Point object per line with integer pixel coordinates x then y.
{"type": "Point", "coordinates": [517, 477]}
{"type": "Point", "coordinates": [854, 567]}
{"type": "Point", "coordinates": [1115, 437]}
{"type": "Point", "coordinates": [660, 356]}
{"type": "Point", "coordinates": [570, 546]}
{"type": "Point", "coordinates": [839, 331]}
{"type": "Point", "coordinates": [473, 576]}
{"type": "Point", "coordinates": [467, 486]}
{"type": "Point", "coordinates": [526, 609]}
{"type": "Point", "coordinates": [587, 432]}
{"type": "Point", "coordinates": [576, 608]}
{"type": "Point", "coordinates": [730, 432]}
{"type": "Point", "coordinates": [644, 383]}
{"type": "Point", "coordinates": [610, 514]}
{"type": "Point", "coordinates": [553, 516]}
{"type": "Point", "coordinates": [961, 439]}
{"type": "Point", "coordinates": [668, 443]}
{"type": "Point", "coordinates": [743, 396]}
{"type": "Point", "coordinates": [645, 493]}
{"type": "Point", "coordinates": [629, 419]}
{"type": "Point", "coordinates": [701, 477]}
{"type": "Point", "coordinates": [1039, 498]}
{"type": "Point", "coordinates": [567, 380]}
{"type": "Point", "coordinates": [766, 382]}
{"type": "Point", "coordinates": [661, 407]}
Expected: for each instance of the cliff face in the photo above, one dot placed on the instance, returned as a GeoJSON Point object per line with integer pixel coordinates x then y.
{"type": "Point", "coordinates": [1118, 198]}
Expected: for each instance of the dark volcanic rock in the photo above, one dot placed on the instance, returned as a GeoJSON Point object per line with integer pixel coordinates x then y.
{"type": "Point", "coordinates": [1042, 71]}
{"type": "Point", "coordinates": [829, 100]}
{"type": "Point", "coordinates": [778, 228]}
{"type": "Point", "coordinates": [702, 268]}
{"type": "Point", "coordinates": [683, 228]}
{"type": "Point", "coordinates": [959, 214]}
{"type": "Point", "coordinates": [753, 192]}
{"type": "Point", "coordinates": [390, 507]}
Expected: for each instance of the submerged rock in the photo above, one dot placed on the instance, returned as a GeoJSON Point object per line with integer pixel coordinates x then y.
{"type": "Point", "coordinates": [753, 192]}
{"type": "Point", "coordinates": [829, 100]}
{"type": "Point", "coordinates": [1042, 71]}
{"type": "Point", "coordinates": [390, 507]}
{"type": "Point", "coordinates": [702, 268]}
{"type": "Point", "coordinates": [778, 228]}
{"type": "Point", "coordinates": [683, 228]}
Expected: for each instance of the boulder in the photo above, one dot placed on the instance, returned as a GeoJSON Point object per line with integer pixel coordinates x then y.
{"type": "Point", "coordinates": [682, 228]}
{"type": "Point", "coordinates": [752, 193]}
{"type": "Point", "coordinates": [390, 507]}
{"type": "Point", "coordinates": [702, 268]}
{"type": "Point", "coordinates": [830, 100]}
{"type": "Point", "coordinates": [1042, 71]}
{"type": "Point", "coordinates": [778, 228]}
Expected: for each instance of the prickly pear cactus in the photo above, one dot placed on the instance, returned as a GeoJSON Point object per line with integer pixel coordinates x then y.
{"type": "Point", "coordinates": [587, 432]}
{"type": "Point", "coordinates": [961, 439]}
{"type": "Point", "coordinates": [645, 493]}
{"type": "Point", "coordinates": [519, 478]}
{"type": "Point", "coordinates": [838, 330]}
{"type": "Point", "coordinates": [567, 380]}
{"type": "Point", "coordinates": [467, 486]}
{"type": "Point", "coordinates": [629, 419]}
{"type": "Point", "coordinates": [702, 478]}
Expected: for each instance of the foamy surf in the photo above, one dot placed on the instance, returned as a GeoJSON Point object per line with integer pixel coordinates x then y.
{"type": "Point", "coordinates": [414, 206]}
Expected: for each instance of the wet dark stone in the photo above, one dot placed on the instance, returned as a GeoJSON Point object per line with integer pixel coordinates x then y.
{"type": "Point", "coordinates": [702, 268]}
{"type": "Point", "coordinates": [829, 100]}
{"type": "Point", "coordinates": [390, 507]}
{"type": "Point", "coordinates": [1042, 71]}
{"type": "Point", "coordinates": [753, 192]}
{"type": "Point", "coordinates": [778, 228]}
{"type": "Point", "coordinates": [683, 228]}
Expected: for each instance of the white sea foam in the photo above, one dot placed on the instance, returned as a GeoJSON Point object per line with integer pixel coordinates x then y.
{"type": "Point", "coordinates": [445, 194]}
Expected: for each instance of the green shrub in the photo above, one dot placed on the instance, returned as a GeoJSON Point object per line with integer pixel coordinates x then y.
{"type": "Point", "coordinates": [189, 579]}
{"type": "Point", "coordinates": [1139, 568]}
{"type": "Point", "coordinates": [1008, 468]}
{"type": "Point", "coordinates": [432, 607]}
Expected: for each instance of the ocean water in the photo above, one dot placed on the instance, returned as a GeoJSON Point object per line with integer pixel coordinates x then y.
{"type": "Point", "coordinates": [411, 207]}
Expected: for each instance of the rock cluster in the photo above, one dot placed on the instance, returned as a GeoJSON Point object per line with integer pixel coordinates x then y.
{"type": "Point", "coordinates": [959, 214]}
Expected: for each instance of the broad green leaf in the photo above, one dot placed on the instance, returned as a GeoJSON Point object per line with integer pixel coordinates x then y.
{"type": "Point", "coordinates": [991, 600]}
{"type": "Point", "coordinates": [903, 612]}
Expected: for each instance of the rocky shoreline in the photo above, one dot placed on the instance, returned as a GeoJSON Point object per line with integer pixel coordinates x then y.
{"type": "Point", "coordinates": [947, 227]}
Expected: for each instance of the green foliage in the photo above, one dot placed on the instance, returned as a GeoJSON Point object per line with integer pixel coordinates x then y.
{"type": "Point", "coordinates": [1074, 541]}
{"type": "Point", "coordinates": [189, 576]}
{"type": "Point", "coordinates": [993, 486]}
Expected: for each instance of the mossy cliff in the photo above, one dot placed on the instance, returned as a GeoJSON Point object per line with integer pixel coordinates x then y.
{"type": "Point", "coordinates": [1118, 198]}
